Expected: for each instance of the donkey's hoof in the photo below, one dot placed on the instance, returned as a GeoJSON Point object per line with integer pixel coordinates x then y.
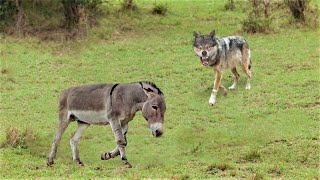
{"type": "Point", "coordinates": [105, 156]}
{"type": "Point", "coordinates": [127, 165]}
{"type": "Point", "coordinates": [50, 163]}
{"type": "Point", "coordinates": [80, 163]}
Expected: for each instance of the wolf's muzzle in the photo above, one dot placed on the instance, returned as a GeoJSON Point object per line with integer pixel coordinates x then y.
{"type": "Point", "coordinates": [204, 61]}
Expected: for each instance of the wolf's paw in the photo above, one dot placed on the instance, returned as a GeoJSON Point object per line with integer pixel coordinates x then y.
{"type": "Point", "coordinates": [225, 92]}
{"type": "Point", "coordinates": [233, 86]}
{"type": "Point", "coordinates": [212, 101]}
{"type": "Point", "coordinates": [248, 87]}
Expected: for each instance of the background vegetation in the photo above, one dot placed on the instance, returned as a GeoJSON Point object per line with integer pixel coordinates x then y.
{"type": "Point", "coordinates": [269, 132]}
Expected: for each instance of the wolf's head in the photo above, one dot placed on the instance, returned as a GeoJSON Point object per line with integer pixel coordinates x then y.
{"type": "Point", "coordinates": [205, 46]}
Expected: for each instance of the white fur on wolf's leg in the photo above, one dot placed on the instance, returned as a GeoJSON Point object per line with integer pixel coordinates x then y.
{"type": "Point", "coordinates": [233, 86]}
{"type": "Point", "coordinates": [248, 86]}
{"type": "Point", "coordinates": [212, 99]}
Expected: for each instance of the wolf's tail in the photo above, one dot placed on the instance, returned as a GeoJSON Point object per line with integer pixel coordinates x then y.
{"type": "Point", "coordinates": [249, 56]}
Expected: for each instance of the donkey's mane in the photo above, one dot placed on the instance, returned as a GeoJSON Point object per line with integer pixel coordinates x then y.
{"type": "Point", "coordinates": [152, 85]}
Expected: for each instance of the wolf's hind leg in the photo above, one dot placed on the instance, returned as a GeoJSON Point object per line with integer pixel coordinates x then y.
{"type": "Point", "coordinates": [246, 64]}
{"type": "Point", "coordinates": [236, 77]}
{"type": "Point", "coordinates": [246, 69]}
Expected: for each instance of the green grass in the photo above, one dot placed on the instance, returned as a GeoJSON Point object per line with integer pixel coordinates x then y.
{"type": "Point", "coordinates": [271, 131]}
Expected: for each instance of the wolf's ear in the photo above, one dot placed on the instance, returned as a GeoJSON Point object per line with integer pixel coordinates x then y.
{"type": "Point", "coordinates": [195, 34]}
{"type": "Point", "coordinates": [213, 33]}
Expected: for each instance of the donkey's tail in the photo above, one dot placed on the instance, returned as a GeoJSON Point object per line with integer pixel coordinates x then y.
{"type": "Point", "coordinates": [63, 99]}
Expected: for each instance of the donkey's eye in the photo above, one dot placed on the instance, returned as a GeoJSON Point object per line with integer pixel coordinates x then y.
{"type": "Point", "coordinates": [155, 107]}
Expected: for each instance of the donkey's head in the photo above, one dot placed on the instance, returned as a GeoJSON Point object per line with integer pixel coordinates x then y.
{"type": "Point", "coordinates": [154, 108]}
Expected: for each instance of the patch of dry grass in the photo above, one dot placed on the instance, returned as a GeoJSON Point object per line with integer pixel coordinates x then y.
{"type": "Point", "coordinates": [17, 138]}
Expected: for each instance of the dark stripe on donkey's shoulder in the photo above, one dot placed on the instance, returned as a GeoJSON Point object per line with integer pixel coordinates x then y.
{"type": "Point", "coordinates": [112, 89]}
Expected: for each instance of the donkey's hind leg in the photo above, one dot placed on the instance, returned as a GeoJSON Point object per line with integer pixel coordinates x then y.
{"type": "Point", "coordinates": [63, 124]}
{"type": "Point", "coordinates": [74, 141]}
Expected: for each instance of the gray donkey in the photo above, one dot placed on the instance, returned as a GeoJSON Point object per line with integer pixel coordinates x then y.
{"type": "Point", "coordinates": [104, 104]}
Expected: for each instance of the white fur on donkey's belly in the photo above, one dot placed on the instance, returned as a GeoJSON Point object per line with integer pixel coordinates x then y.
{"type": "Point", "coordinates": [91, 117]}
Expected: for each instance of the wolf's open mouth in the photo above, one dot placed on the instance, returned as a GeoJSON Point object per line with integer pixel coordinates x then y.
{"type": "Point", "coordinates": [205, 61]}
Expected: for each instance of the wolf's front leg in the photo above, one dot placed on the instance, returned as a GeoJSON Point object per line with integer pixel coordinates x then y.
{"type": "Point", "coordinates": [215, 89]}
{"type": "Point", "coordinates": [212, 99]}
{"type": "Point", "coordinates": [121, 142]}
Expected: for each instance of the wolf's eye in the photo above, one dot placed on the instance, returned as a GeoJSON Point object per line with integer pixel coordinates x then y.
{"type": "Point", "coordinates": [209, 48]}
{"type": "Point", "coordinates": [199, 48]}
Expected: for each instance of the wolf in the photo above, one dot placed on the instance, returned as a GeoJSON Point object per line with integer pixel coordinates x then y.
{"type": "Point", "coordinates": [222, 54]}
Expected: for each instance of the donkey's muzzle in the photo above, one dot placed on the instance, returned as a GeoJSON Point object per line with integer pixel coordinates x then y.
{"type": "Point", "coordinates": [157, 133]}
{"type": "Point", "coordinates": [156, 129]}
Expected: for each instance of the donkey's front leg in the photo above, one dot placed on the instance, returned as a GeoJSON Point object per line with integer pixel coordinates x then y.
{"type": "Point", "coordinates": [115, 152]}
{"type": "Point", "coordinates": [121, 142]}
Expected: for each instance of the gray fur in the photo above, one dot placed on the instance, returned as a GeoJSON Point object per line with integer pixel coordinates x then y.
{"type": "Point", "coordinates": [109, 104]}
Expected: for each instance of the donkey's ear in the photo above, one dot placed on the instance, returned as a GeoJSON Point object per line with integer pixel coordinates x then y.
{"type": "Point", "coordinates": [213, 33]}
{"type": "Point", "coordinates": [195, 34]}
{"type": "Point", "coordinates": [148, 90]}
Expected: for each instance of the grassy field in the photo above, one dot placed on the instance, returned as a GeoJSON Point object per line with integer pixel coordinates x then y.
{"type": "Point", "coordinates": [271, 131]}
